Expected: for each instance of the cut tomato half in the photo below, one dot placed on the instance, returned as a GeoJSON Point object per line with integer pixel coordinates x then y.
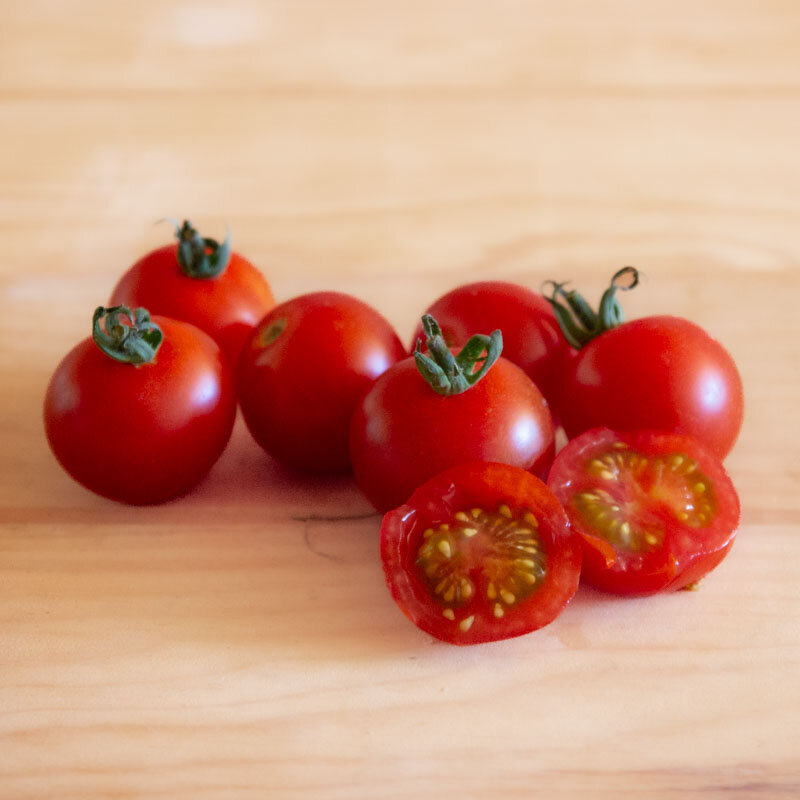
{"type": "Point", "coordinates": [480, 552]}
{"type": "Point", "coordinates": [654, 510]}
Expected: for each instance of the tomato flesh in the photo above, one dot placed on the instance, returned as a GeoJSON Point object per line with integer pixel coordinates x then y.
{"type": "Point", "coordinates": [655, 510]}
{"type": "Point", "coordinates": [479, 553]}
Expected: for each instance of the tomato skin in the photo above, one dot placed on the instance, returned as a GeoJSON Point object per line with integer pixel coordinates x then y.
{"type": "Point", "coordinates": [659, 373]}
{"type": "Point", "coordinates": [142, 434]}
{"type": "Point", "coordinates": [298, 391]}
{"type": "Point", "coordinates": [687, 553]}
{"type": "Point", "coordinates": [226, 307]}
{"type": "Point", "coordinates": [532, 338]}
{"type": "Point", "coordinates": [484, 485]}
{"type": "Point", "coordinates": [403, 433]}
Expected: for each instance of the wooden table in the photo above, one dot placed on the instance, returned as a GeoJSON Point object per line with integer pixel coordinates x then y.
{"type": "Point", "coordinates": [240, 643]}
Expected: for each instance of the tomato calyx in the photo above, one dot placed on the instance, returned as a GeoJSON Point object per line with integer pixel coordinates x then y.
{"type": "Point", "coordinates": [579, 322]}
{"type": "Point", "coordinates": [133, 342]}
{"type": "Point", "coordinates": [449, 374]}
{"type": "Point", "coordinates": [199, 256]}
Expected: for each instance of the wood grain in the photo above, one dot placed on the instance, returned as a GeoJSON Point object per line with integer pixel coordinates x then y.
{"type": "Point", "coordinates": [240, 642]}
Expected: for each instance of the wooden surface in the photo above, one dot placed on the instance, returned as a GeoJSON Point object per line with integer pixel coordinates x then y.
{"type": "Point", "coordinates": [240, 643]}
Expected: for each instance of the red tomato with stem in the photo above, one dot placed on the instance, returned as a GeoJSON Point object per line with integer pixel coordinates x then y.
{"type": "Point", "coordinates": [660, 373]}
{"type": "Point", "coordinates": [303, 371]}
{"type": "Point", "coordinates": [200, 281]}
{"type": "Point", "coordinates": [428, 413]}
{"type": "Point", "coordinates": [140, 412]}
{"type": "Point", "coordinates": [532, 338]}
{"type": "Point", "coordinates": [480, 552]}
{"type": "Point", "coordinates": [655, 511]}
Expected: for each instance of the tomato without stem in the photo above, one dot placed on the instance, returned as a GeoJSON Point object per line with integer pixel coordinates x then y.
{"type": "Point", "coordinates": [655, 511]}
{"type": "Point", "coordinates": [304, 369]}
{"type": "Point", "coordinates": [202, 282]}
{"type": "Point", "coordinates": [480, 552]}
{"type": "Point", "coordinates": [532, 338]}
{"type": "Point", "coordinates": [141, 433]}
{"type": "Point", "coordinates": [660, 373]}
{"type": "Point", "coordinates": [403, 432]}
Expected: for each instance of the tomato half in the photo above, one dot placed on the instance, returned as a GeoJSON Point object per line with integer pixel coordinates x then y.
{"type": "Point", "coordinates": [532, 338]}
{"type": "Point", "coordinates": [303, 371]}
{"type": "Point", "coordinates": [655, 510]}
{"type": "Point", "coordinates": [403, 433]}
{"type": "Point", "coordinates": [480, 552]}
{"type": "Point", "coordinates": [142, 433]}
{"type": "Point", "coordinates": [226, 297]}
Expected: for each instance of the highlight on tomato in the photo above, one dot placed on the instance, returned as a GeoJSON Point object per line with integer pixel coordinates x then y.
{"type": "Point", "coordinates": [480, 552]}
{"type": "Point", "coordinates": [303, 371]}
{"type": "Point", "coordinates": [140, 411]}
{"type": "Point", "coordinates": [433, 411]}
{"type": "Point", "coordinates": [658, 373]}
{"type": "Point", "coordinates": [201, 281]}
{"type": "Point", "coordinates": [655, 511]}
{"type": "Point", "coordinates": [532, 338]}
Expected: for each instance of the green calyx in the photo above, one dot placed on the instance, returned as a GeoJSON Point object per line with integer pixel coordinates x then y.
{"type": "Point", "coordinates": [579, 322]}
{"type": "Point", "coordinates": [133, 342]}
{"type": "Point", "coordinates": [198, 256]}
{"type": "Point", "coordinates": [448, 374]}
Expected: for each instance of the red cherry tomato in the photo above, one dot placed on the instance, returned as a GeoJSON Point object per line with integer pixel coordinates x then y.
{"type": "Point", "coordinates": [480, 552]}
{"type": "Point", "coordinates": [304, 369]}
{"type": "Point", "coordinates": [532, 338]}
{"type": "Point", "coordinates": [146, 432]}
{"type": "Point", "coordinates": [655, 510]}
{"type": "Point", "coordinates": [202, 282]}
{"type": "Point", "coordinates": [403, 432]}
{"type": "Point", "coordinates": [658, 373]}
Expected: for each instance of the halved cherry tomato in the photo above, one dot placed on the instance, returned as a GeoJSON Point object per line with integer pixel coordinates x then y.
{"type": "Point", "coordinates": [480, 552]}
{"type": "Point", "coordinates": [655, 510]}
{"type": "Point", "coordinates": [468, 407]}
{"type": "Point", "coordinates": [200, 281]}
{"type": "Point", "coordinates": [141, 413]}
{"type": "Point", "coordinates": [532, 338]}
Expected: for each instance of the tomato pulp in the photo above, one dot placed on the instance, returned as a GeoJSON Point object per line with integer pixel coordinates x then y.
{"type": "Point", "coordinates": [480, 552]}
{"type": "Point", "coordinates": [655, 510]}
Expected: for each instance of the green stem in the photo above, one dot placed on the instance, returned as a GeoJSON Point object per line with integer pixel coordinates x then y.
{"type": "Point", "coordinates": [448, 374]}
{"type": "Point", "coordinates": [200, 257]}
{"type": "Point", "coordinates": [579, 322]}
{"type": "Point", "coordinates": [135, 342]}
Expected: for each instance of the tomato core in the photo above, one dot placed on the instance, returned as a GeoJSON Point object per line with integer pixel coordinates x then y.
{"type": "Point", "coordinates": [495, 555]}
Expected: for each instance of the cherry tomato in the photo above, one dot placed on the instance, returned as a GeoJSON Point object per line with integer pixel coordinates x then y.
{"type": "Point", "coordinates": [480, 552]}
{"type": "Point", "coordinates": [655, 510]}
{"type": "Point", "coordinates": [661, 373]}
{"type": "Point", "coordinates": [202, 282]}
{"type": "Point", "coordinates": [304, 369]}
{"type": "Point", "coordinates": [404, 431]}
{"type": "Point", "coordinates": [136, 417]}
{"type": "Point", "coordinates": [532, 338]}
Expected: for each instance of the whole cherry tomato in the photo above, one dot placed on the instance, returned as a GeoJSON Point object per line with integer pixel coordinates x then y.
{"type": "Point", "coordinates": [654, 510]}
{"type": "Point", "coordinates": [304, 369]}
{"type": "Point", "coordinates": [200, 281]}
{"type": "Point", "coordinates": [429, 413]}
{"type": "Point", "coordinates": [660, 373]}
{"type": "Point", "coordinates": [532, 338]}
{"type": "Point", "coordinates": [480, 552]}
{"type": "Point", "coordinates": [140, 412]}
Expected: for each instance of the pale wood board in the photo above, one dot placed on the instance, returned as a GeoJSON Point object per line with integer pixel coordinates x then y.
{"type": "Point", "coordinates": [240, 642]}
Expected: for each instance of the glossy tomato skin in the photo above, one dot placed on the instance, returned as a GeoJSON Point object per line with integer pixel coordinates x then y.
{"type": "Point", "coordinates": [303, 371]}
{"type": "Point", "coordinates": [532, 338]}
{"type": "Point", "coordinates": [478, 485]}
{"type": "Point", "coordinates": [226, 307]}
{"type": "Point", "coordinates": [665, 465]}
{"type": "Point", "coordinates": [142, 434]}
{"type": "Point", "coordinates": [403, 433]}
{"type": "Point", "coordinates": [659, 373]}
